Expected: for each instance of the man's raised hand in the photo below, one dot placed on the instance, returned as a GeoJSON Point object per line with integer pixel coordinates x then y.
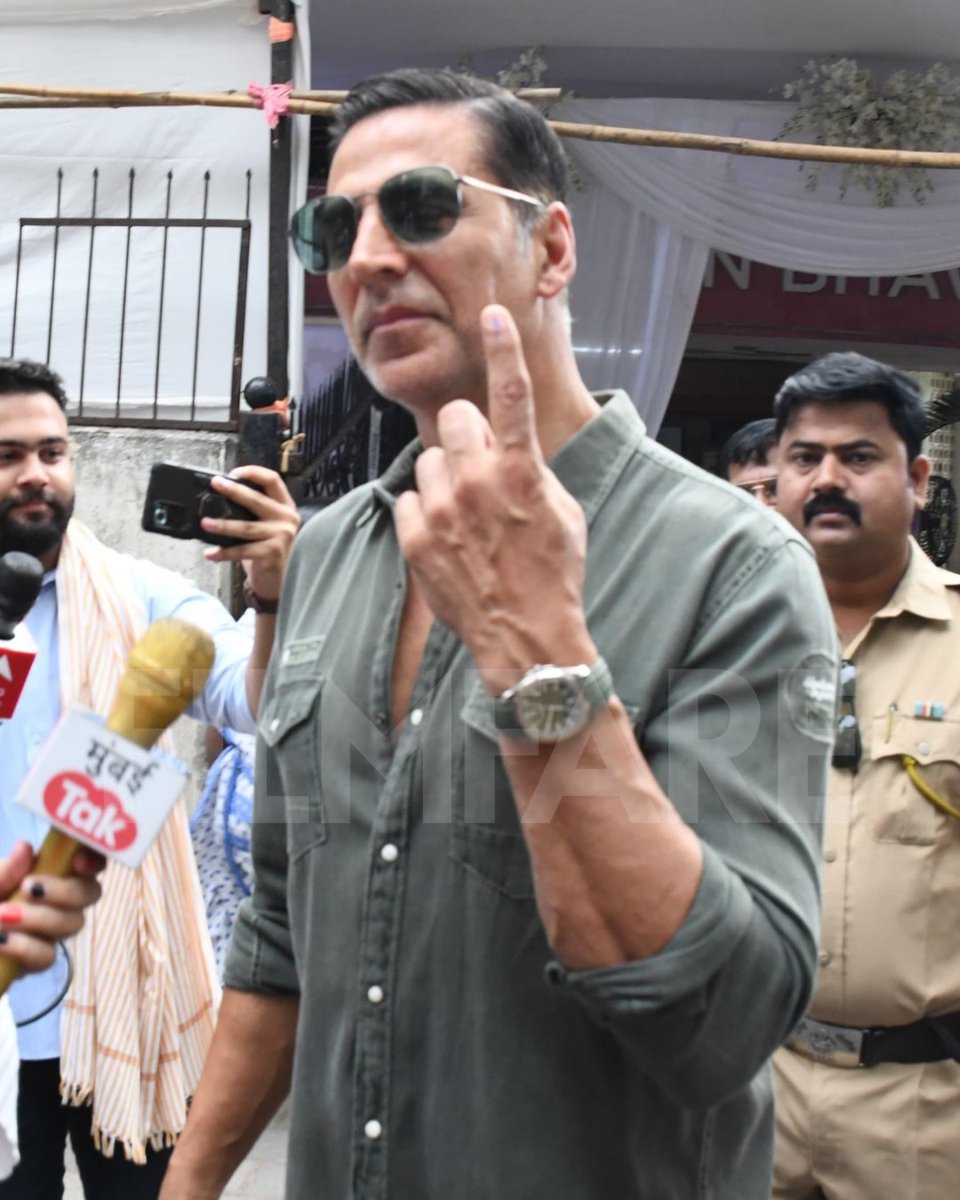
{"type": "Point", "coordinates": [495, 543]}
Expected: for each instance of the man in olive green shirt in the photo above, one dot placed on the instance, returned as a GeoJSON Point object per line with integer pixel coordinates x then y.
{"type": "Point", "coordinates": [543, 754]}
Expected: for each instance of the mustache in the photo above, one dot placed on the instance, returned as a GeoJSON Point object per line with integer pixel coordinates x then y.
{"type": "Point", "coordinates": [835, 502]}
{"type": "Point", "coordinates": [30, 497]}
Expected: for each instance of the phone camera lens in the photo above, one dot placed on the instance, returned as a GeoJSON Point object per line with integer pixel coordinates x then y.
{"type": "Point", "coordinates": [161, 517]}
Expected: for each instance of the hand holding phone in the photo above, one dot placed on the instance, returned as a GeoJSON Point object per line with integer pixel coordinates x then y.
{"type": "Point", "coordinates": [178, 498]}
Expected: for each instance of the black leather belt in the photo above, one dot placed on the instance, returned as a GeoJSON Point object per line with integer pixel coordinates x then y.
{"type": "Point", "coordinates": [932, 1039]}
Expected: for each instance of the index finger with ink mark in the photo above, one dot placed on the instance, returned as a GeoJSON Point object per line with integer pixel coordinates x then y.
{"type": "Point", "coordinates": [510, 408]}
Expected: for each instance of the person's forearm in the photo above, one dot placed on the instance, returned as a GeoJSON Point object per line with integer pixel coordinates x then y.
{"type": "Point", "coordinates": [244, 1081]}
{"type": "Point", "coordinates": [263, 633]}
{"type": "Point", "coordinates": [614, 866]}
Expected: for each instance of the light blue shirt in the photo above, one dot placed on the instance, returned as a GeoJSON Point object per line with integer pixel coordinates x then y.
{"type": "Point", "coordinates": [223, 701]}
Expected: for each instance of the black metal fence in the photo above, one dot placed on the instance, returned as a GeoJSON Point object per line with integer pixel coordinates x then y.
{"type": "Point", "coordinates": [350, 434]}
{"type": "Point", "coordinates": [92, 279]}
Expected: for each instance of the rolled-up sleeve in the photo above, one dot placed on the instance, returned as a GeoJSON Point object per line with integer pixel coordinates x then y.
{"type": "Point", "coordinates": [740, 747]}
{"type": "Point", "coordinates": [260, 956]}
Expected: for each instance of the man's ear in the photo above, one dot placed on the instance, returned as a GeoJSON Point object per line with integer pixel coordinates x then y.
{"type": "Point", "coordinates": [919, 477]}
{"type": "Point", "coordinates": [557, 247]}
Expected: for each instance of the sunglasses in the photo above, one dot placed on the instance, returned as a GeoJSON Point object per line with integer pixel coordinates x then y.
{"type": "Point", "coordinates": [417, 207]}
{"type": "Point", "coordinates": [847, 747]}
{"type": "Point", "coordinates": [760, 487]}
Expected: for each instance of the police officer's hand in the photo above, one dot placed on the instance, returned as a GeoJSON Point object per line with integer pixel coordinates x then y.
{"type": "Point", "coordinates": [495, 543]}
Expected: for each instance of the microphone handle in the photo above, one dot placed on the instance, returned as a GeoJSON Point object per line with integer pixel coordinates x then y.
{"type": "Point", "coordinates": [166, 669]}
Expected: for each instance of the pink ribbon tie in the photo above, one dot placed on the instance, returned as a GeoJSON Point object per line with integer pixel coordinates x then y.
{"type": "Point", "coordinates": [274, 99]}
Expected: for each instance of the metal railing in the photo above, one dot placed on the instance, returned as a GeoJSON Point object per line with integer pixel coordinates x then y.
{"type": "Point", "coordinates": [184, 243]}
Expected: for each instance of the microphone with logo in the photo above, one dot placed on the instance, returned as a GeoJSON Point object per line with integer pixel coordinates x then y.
{"type": "Point", "coordinates": [20, 578]}
{"type": "Point", "coordinates": [98, 784]}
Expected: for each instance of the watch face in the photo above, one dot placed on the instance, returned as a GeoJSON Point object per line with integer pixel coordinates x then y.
{"type": "Point", "coordinates": [552, 708]}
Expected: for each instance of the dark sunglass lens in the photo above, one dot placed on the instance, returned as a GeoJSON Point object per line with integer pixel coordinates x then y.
{"type": "Point", "coordinates": [847, 747]}
{"type": "Point", "coordinates": [323, 232]}
{"type": "Point", "coordinates": [334, 230]}
{"type": "Point", "coordinates": [422, 205]}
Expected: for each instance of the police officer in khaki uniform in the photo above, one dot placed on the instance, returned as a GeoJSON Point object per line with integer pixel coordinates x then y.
{"type": "Point", "coordinates": [867, 1086]}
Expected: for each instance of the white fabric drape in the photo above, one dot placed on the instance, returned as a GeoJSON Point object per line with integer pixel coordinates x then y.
{"type": "Point", "coordinates": [16, 11]}
{"type": "Point", "coordinates": [647, 218]}
{"type": "Point", "coordinates": [177, 46]}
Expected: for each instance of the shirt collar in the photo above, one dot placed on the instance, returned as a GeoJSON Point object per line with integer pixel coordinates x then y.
{"type": "Point", "coordinates": [586, 465]}
{"type": "Point", "coordinates": [922, 589]}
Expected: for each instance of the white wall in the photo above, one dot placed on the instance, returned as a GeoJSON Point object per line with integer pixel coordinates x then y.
{"type": "Point", "coordinates": [112, 466]}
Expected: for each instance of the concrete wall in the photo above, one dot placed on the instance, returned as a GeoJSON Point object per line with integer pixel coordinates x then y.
{"type": "Point", "coordinates": [112, 466]}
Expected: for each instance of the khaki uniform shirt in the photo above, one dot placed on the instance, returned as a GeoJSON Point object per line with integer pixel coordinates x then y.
{"type": "Point", "coordinates": [891, 861]}
{"type": "Point", "coordinates": [891, 894]}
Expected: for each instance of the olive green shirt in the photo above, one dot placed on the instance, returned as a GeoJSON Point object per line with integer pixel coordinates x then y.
{"type": "Point", "coordinates": [442, 1051]}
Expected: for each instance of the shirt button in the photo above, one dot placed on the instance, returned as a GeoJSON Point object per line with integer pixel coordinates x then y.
{"type": "Point", "coordinates": [389, 852]}
{"type": "Point", "coordinates": [826, 958]}
{"type": "Point", "coordinates": [373, 1130]}
{"type": "Point", "coordinates": [381, 719]}
{"type": "Point", "coordinates": [829, 855]}
{"type": "Point", "coordinates": [274, 724]}
{"type": "Point", "coordinates": [416, 717]}
{"type": "Point", "coordinates": [375, 994]}
{"type": "Point", "coordinates": [923, 747]}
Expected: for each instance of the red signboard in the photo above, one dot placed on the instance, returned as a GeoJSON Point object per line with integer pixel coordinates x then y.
{"type": "Point", "coordinates": [741, 298]}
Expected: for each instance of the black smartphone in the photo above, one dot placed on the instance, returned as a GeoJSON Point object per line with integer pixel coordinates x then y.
{"type": "Point", "coordinates": [179, 497]}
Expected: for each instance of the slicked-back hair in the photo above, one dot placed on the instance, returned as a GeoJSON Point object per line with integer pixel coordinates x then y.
{"type": "Point", "coordinates": [751, 445]}
{"type": "Point", "coordinates": [848, 377]}
{"type": "Point", "coordinates": [522, 151]}
{"type": "Point", "coordinates": [22, 375]}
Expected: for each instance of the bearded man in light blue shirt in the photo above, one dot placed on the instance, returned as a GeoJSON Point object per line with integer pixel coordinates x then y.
{"type": "Point", "coordinates": [92, 605]}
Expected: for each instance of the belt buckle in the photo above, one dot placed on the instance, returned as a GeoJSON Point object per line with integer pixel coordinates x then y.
{"type": "Point", "coordinates": [834, 1045]}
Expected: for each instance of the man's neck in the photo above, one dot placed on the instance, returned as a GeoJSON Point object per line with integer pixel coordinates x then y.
{"type": "Point", "coordinates": [563, 406]}
{"type": "Point", "coordinates": [855, 597]}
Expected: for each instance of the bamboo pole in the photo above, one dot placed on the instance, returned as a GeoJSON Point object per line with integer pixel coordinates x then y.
{"type": "Point", "coordinates": [121, 98]}
{"type": "Point", "coordinates": [40, 96]}
{"type": "Point", "coordinates": [806, 152]}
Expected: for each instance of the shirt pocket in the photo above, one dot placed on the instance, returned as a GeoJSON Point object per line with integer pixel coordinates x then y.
{"type": "Point", "coordinates": [904, 813]}
{"type": "Point", "coordinates": [290, 727]}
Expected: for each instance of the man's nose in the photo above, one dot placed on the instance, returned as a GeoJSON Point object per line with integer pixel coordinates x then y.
{"type": "Point", "coordinates": [375, 250]}
{"type": "Point", "coordinates": [830, 475]}
{"type": "Point", "coordinates": [33, 472]}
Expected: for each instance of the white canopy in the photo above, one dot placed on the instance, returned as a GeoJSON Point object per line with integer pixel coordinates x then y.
{"type": "Point", "coordinates": [647, 219]}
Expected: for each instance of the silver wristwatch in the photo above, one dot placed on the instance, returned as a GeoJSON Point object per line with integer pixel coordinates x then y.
{"type": "Point", "coordinates": [552, 703]}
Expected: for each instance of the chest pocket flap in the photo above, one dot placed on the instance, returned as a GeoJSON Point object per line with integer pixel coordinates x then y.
{"type": "Point", "coordinates": [290, 727]}
{"type": "Point", "coordinates": [905, 814]}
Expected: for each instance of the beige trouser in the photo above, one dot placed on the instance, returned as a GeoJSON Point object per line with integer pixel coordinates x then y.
{"type": "Point", "coordinates": [890, 1132]}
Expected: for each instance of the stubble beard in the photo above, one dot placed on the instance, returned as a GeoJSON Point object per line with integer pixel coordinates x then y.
{"type": "Point", "coordinates": [36, 537]}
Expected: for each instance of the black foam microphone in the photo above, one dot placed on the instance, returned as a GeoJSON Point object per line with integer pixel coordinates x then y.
{"type": "Point", "coordinates": [20, 578]}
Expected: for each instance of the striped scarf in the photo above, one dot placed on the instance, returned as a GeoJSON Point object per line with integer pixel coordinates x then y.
{"type": "Point", "coordinates": [139, 1015]}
